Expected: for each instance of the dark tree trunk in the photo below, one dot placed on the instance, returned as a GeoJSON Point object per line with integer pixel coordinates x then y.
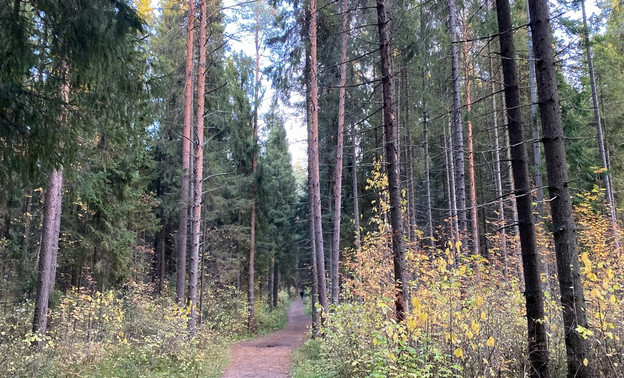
{"type": "Point", "coordinates": [186, 156]}
{"type": "Point", "coordinates": [564, 228]}
{"type": "Point", "coordinates": [392, 163]}
{"type": "Point", "coordinates": [538, 350]}
{"type": "Point", "coordinates": [275, 286]}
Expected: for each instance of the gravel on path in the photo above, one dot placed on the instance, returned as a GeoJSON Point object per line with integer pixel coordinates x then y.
{"type": "Point", "coordinates": [269, 356]}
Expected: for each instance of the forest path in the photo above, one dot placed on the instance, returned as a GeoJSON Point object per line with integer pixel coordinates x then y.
{"type": "Point", "coordinates": [269, 356]}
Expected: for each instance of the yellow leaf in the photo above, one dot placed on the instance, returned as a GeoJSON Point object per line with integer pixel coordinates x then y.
{"type": "Point", "coordinates": [476, 327]}
{"type": "Point", "coordinates": [459, 352]}
{"type": "Point", "coordinates": [490, 342]}
{"type": "Point", "coordinates": [469, 334]}
{"type": "Point", "coordinates": [585, 362]}
{"type": "Point", "coordinates": [612, 299]}
{"type": "Point", "coordinates": [479, 301]}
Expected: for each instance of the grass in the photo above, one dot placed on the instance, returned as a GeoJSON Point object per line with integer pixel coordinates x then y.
{"type": "Point", "coordinates": [306, 361]}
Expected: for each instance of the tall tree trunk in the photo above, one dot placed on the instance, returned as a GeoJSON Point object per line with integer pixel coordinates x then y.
{"type": "Point", "coordinates": [472, 188]}
{"type": "Point", "coordinates": [51, 227]}
{"type": "Point", "coordinates": [450, 180]}
{"type": "Point", "coordinates": [186, 156]}
{"type": "Point", "coordinates": [460, 177]}
{"type": "Point", "coordinates": [339, 151]}
{"type": "Point", "coordinates": [198, 168]}
{"type": "Point", "coordinates": [313, 160]}
{"type": "Point", "coordinates": [409, 164]}
{"type": "Point", "coordinates": [254, 169]}
{"type": "Point", "coordinates": [354, 179]}
{"type": "Point", "coordinates": [564, 228]}
{"type": "Point", "coordinates": [606, 176]}
{"type": "Point", "coordinates": [498, 179]}
{"type": "Point", "coordinates": [49, 249]}
{"type": "Point", "coordinates": [427, 169]}
{"type": "Point", "coordinates": [316, 321]}
{"type": "Point", "coordinates": [538, 350]}
{"type": "Point", "coordinates": [392, 163]}
{"type": "Point", "coordinates": [537, 158]}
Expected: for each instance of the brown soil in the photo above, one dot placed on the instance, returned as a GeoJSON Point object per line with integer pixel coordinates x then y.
{"type": "Point", "coordinates": [269, 356]}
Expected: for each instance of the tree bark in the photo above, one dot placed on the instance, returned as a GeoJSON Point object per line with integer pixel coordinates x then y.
{"type": "Point", "coordinates": [472, 188]}
{"type": "Point", "coordinates": [606, 176]}
{"type": "Point", "coordinates": [335, 290]}
{"type": "Point", "coordinates": [49, 249]}
{"type": "Point", "coordinates": [51, 228]}
{"type": "Point", "coordinates": [275, 286]}
{"type": "Point", "coordinates": [316, 321]}
{"type": "Point", "coordinates": [198, 168]}
{"type": "Point", "coordinates": [313, 160]}
{"type": "Point", "coordinates": [427, 169]}
{"type": "Point", "coordinates": [538, 350]}
{"type": "Point", "coordinates": [392, 163]}
{"type": "Point", "coordinates": [498, 179]}
{"type": "Point", "coordinates": [460, 177]}
{"type": "Point", "coordinates": [564, 228]}
{"type": "Point", "coordinates": [186, 156]}
{"type": "Point", "coordinates": [537, 158]}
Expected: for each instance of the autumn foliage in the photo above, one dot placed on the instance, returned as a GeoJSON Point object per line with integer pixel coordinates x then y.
{"type": "Point", "coordinates": [466, 318]}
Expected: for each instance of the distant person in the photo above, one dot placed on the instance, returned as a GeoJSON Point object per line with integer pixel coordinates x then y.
{"type": "Point", "coordinates": [302, 293]}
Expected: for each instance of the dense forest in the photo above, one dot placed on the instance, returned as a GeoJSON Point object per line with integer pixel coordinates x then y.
{"type": "Point", "coordinates": [455, 211]}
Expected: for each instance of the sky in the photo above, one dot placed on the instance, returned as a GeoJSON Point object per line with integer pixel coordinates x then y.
{"type": "Point", "coordinates": [293, 120]}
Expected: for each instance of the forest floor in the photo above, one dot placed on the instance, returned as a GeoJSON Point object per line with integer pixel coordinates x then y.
{"type": "Point", "coordinates": [269, 356]}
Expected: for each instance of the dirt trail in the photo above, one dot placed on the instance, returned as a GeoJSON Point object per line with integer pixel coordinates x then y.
{"type": "Point", "coordinates": [269, 356]}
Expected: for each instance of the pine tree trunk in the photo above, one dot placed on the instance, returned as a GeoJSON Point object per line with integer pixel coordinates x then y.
{"type": "Point", "coordinates": [537, 340]}
{"type": "Point", "coordinates": [49, 249]}
{"type": "Point", "coordinates": [451, 192]}
{"type": "Point", "coordinates": [316, 321]}
{"type": "Point", "coordinates": [198, 168]}
{"type": "Point", "coordinates": [564, 228]}
{"type": "Point", "coordinates": [313, 160]}
{"type": "Point", "coordinates": [427, 169]}
{"type": "Point", "coordinates": [409, 164]}
{"type": "Point", "coordinates": [186, 156]}
{"type": "Point", "coordinates": [472, 188]}
{"type": "Point", "coordinates": [51, 228]}
{"type": "Point", "coordinates": [498, 177]}
{"type": "Point", "coordinates": [392, 163]}
{"type": "Point", "coordinates": [460, 177]}
{"type": "Point", "coordinates": [335, 290]}
{"type": "Point", "coordinates": [537, 158]}
{"type": "Point", "coordinates": [606, 176]}
{"type": "Point", "coordinates": [354, 179]}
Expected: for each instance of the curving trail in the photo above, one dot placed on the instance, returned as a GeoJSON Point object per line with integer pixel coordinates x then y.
{"type": "Point", "coordinates": [269, 356]}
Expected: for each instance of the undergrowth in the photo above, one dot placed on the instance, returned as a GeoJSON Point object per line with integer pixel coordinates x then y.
{"type": "Point", "coordinates": [466, 316]}
{"type": "Point", "coordinates": [130, 334]}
